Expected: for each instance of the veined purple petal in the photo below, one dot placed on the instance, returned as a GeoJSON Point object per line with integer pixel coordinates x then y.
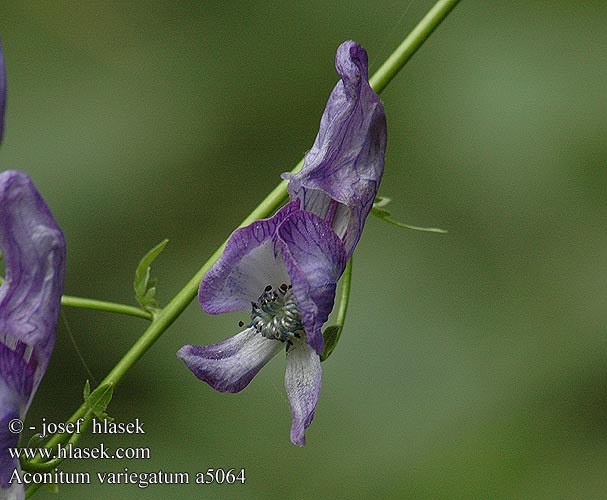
{"type": "Point", "coordinates": [2, 91]}
{"type": "Point", "coordinates": [231, 364]}
{"type": "Point", "coordinates": [341, 173]}
{"type": "Point", "coordinates": [34, 253]}
{"type": "Point", "coordinates": [315, 258]}
{"type": "Point", "coordinates": [302, 382]}
{"type": "Point", "coordinates": [16, 383]}
{"type": "Point", "coordinates": [7, 463]}
{"type": "Point", "coordinates": [248, 264]}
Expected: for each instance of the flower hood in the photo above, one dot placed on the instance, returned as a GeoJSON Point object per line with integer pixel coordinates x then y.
{"type": "Point", "coordinates": [341, 173]}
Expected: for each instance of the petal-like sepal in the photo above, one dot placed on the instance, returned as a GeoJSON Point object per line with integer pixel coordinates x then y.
{"type": "Point", "coordinates": [8, 464]}
{"type": "Point", "coordinates": [315, 258]}
{"type": "Point", "coordinates": [231, 364]}
{"type": "Point", "coordinates": [16, 384]}
{"type": "Point", "coordinates": [2, 92]}
{"type": "Point", "coordinates": [302, 383]}
{"type": "Point", "coordinates": [34, 253]}
{"type": "Point", "coordinates": [248, 264]}
{"type": "Point", "coordinates": [341, 173]}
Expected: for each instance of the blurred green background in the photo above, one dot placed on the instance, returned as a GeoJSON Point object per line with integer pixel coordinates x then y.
{"type": "Point", "coordinates": [473, 365]}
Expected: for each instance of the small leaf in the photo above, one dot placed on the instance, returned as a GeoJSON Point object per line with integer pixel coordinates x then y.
{"type": "Point", "coordinates": [145, 288]}
{"type": "Point", "coordinates": [383, 214]}
{"type": "Point", "coordinates": [87, 390]}
{"type": "Point", "coordinates": [36, 441]}
{"type": "Point", "coordinates": [99, 399]}
{"type": "Point", "coordinates": [331, 335]}
{"type": "Point", "coordinates": [381, 201]}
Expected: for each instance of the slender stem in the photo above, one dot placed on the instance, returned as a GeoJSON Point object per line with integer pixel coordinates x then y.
{"type": "Point", "coordinates": [332, 333]}
{"type": "Point", "coordinates": [100, 305]}
{"type": "Point", "coordinates": [167, 315]}
{"type": "Point", "coordinates": [344, 295]}
{"type": "Point", "coordinates": [411, 43]}
{"type": "Point", "coordinates": [37, 464]}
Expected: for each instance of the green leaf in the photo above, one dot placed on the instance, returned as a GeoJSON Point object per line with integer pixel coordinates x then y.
{"type": "Point", "coordinates": [36, 441]}
{"type": "Point", "coordinates": [145, 288]}
{"type": "Point", "coordinates": [383, 214]}
{"type": "Point", "coordinates": [87, 390]}
{"type": "Point", "coordinates": [99, 399]}
{"type": "Point", "coordinates": [331, 335]}
{"type": "Point", "coordinates": [381, 201]}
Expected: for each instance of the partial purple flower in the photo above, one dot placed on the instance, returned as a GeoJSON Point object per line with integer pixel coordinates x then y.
{"type": "Point", "coordinates": [342, 171]}
{"type": "Point", "coordinates": [284, 270]}
{"type": "Point", "coordinates": [34, 255]}
{"type": "Point", "coordinates": [2, 92]}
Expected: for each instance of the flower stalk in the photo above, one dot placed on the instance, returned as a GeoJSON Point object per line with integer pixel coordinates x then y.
{"type": "Point", "coordinates": [333, 332]}
{"type": "Point", "coordinates": [409, 46]}
{"type": "Point", "coordinates": [102, 305]}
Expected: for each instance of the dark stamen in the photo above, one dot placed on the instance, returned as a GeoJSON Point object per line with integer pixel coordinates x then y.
{"type": "Point", "coordinates": [275, 314]}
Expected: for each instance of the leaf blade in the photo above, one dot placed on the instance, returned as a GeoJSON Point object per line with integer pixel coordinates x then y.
{"type": "Point", "coordinates": [381, 213]}
{"type": "Point", "coordinates": [143, 285]}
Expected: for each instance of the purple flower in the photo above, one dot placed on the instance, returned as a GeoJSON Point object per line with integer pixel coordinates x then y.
{"type": "Point", "coordinates": [2, 92]}
{"type": "Point", "coordinates": [34, 254]}
{"type": "Point", "coordinates": [342, 171]}
{"type": "Point", "coordinates": [284, 270]}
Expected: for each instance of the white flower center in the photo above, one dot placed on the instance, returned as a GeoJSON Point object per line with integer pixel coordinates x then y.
{"type": "Point", "coordinates": [275, 314]}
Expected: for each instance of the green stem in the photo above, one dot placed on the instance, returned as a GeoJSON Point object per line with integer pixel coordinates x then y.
{"type": "Point", "coordinates": [38, 465]}
{"type": "Point", "coordinates": [344, 294]}
{"type": "Point", "coordinates": [333, 332]}
{"type": "Point", "coordinates": [411, 43]}
{"type": "Point", "coordinates": [167, 315]}
{"type": "Point", "coordinates": [100, 305]}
